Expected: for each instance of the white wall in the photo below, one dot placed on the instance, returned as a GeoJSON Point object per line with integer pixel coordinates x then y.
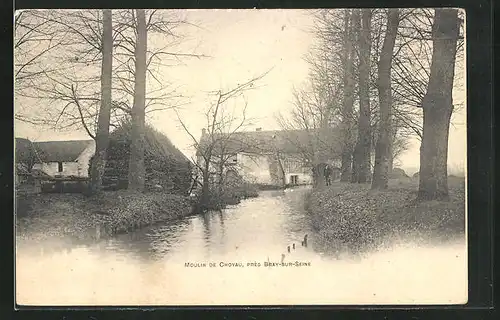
{"type": "Point", "coordinates": [302, 177]}
{"type": "Point", "coordinates": [78, 168]}
{"type": "Point", "coordinates": [294, 166]}
{"type": "Point", "coordinates": [254, 169]}
{"type": "Point", "coordinates": [84, 160]}
{"type": "Point", "coordinates": [51, 168]}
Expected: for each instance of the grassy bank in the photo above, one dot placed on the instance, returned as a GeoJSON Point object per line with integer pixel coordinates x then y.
{"type": "Point", "coordinates": [229, 195]}
{"type": "Point", "coordinates": [359, 218]}
{"type": "Point", "coordinates": [45, 216]}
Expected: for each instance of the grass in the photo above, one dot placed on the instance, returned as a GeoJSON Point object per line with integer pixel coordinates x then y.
{"type": "Point", "coordinates": [361, 218]}
{"type": "Point", "coordinates": [46, 216]}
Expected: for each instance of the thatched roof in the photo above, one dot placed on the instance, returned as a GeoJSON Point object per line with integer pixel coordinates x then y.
{"type": "Point", "coordinates": [156, 142]}
{"type": "Point", "coordinates": [260, 142]}
{"type": "Point", "coordinates": [24, 151]}
{"type": "Point", "coordinates": [49, 151]}
{"type": "Point", "coordinates": [60, 151]}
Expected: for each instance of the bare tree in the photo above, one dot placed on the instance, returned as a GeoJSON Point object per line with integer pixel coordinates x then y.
{"type": "Point", "coordinates": [308, 116]}
{"type": "Point", "coordinates": [35, 38]}
{"type": "Point", "coordinates": [222, 127]}
{"type": "Point", "coordinates": [325, 108]}
{"type": "Point", "coordinates": [69, 96]}
{"type": "Point", "coordinates": [411, 68]}
{"type": "Point", "coordinates": [102, 134]}
{"type": "Point", "coordinates": [363, 146]}
{"type": "Point", "coordinates": [438, 106]}
{"type": "Point", "coordinates": [382, 149]}
{"type": "Point", "coordinates": [137, 171]}
{"type": "Point", "coordinates": [348, 96]}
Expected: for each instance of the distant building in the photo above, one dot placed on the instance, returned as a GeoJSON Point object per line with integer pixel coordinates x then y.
{"type": "Point", "coordinates": [64, 158]}
{"type": "Point", "coordinates": [276, 158]}
{"type": "Point", "coordinates": [29, 160]}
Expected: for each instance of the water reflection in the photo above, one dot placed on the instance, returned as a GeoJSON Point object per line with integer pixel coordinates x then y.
{"type": "Point", "coordinates": [205, 218]}
{"type": "Point", "coordinates": [264, 225]}
{"type": "Point", "coordinates": [147, 266]}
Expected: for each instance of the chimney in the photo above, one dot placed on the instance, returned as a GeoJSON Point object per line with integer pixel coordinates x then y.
{"type": "Point", "coordinates": [258, 129]}
{"type": "Point", "coordinates": [203, 131]}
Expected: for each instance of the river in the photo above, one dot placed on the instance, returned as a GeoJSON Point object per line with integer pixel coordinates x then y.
{"type": "Point", "coordinates": [227, 252]}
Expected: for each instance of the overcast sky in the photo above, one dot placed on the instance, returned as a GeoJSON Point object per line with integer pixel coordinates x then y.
{"type": "Point", "coordinates": [242, 44]}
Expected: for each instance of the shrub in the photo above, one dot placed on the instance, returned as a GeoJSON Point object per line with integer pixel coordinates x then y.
{"type": "Point", "coordinates": [165, 165]}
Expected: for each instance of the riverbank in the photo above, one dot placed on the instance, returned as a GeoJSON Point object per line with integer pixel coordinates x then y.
{"type": "Point", "coordinates": [48, 216]}
{"type": "Point", "coordinates": [361, 218]}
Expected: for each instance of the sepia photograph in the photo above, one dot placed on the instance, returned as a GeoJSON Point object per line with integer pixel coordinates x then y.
{"type": "Point", "coordinates": [223, 157]}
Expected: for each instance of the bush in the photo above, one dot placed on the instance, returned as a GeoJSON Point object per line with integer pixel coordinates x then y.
{"type": "Point", "coordinates": [165, 165]}
{"type": "Point", "coordinates": [246, 190]}
{"type": "Point", "coordinates": [231, 193]}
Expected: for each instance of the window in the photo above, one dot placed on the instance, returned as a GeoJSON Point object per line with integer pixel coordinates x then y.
{"type": "Point", "coordinates": [59, 167]}
{"type": "Point", "coordinates": [234, 159]}
{"type": "Point", "coordinates": [294, 179]}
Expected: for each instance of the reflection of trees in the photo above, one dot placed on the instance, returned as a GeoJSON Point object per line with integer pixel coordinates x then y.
{"type": "Point", "coordinates": [222, 227]}
{"type": "Point", "coordinates": [147, 244]}
{"type": "Point", "coordinates": [221, 219]}
{"type": "Point", "coordinates": [214, 230]}
{"type": "Point", "coordinates": [44, 247]}
{"type": "Point", "coordinates": [206, 226]}
{"type": "Point", "coordinates": [207, 234]}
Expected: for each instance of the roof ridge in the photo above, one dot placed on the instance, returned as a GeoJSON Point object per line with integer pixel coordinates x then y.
{"type": "Point", "coordinates": [79, 140]}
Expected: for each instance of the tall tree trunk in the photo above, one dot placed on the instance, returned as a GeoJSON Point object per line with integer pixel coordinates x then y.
{"type": "Point", "coordinates": [221, 181]}
{"type": "Point", "coordinates": [348, 100]}
{"type": "Point", "coordinates": [382, 148]}
{"type": "Point", "coordinates": [392, 155]}
{"type": "Point", "coordinates": [137, 171]}
{"type": "Point", "coordinates": [363, 146]}
{"type": "Point", "coordinates": [282, 170]}
{"type": "Point", "coordinates": [390, 160]}
{"type": "Point", "coordinates": [205, 190]}
{"type": "Point", "coordinates": [438, 107]}
{"type": "Point", "coordinates": [102, 135]}
{"type": "Point", "coordinates": [354, 167]}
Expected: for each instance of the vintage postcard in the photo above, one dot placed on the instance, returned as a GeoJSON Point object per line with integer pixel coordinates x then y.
{"type": "Point", "coordinates": [240, 157]}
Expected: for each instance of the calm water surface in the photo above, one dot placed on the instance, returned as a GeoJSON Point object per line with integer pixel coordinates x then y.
{"type": "Point", "coordinates": [148, 266]}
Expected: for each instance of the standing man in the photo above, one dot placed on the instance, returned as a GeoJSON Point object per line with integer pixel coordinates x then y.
{"type": "Point", "coordinates": [314, 174]}
{"type": "Point", "coordinates": [327, 174]}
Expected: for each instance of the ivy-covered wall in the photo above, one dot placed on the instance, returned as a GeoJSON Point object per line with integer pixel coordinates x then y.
{"type": "Point", "coordinates": [165, 164]}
